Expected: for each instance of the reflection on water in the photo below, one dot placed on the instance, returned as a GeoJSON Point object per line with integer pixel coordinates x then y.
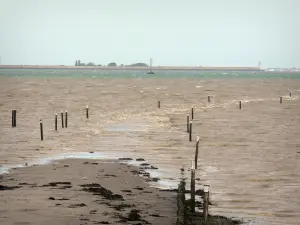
{"type": "Point", "coordinates": [248, 156]}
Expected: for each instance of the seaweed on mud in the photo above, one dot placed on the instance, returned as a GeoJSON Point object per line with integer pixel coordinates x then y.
{"type": "Point", "coordinates": [135, 172]}
{"type": "Point", "coordinates": [77, 205]}
{"type": "Point", "coordinates": [110, 175]}
{"type": "Point", "coordinates": [155, 215]}
{"type": "Point", "coordinates": [63, 199]}
{"type": "Point", "coordinates": [153, 179]}
{"type": "Point", "coordinates": [148, 168]}
{"type": "Point", "coordinates": [139, 188]}
{"type": "Point", "coordinates": [140, 159]}
{"type": "Point", "coordinates": [144, 174]}
{"type": "Point", "coordinates": [169, 190]}
{"type": "Point", "coordinates": [134, 215]}
{"type": "Point", "coordinates": [54, 184]}
{"type": "Point", "coordinates": [125, 158]}
{"type": "Point", "coordinates": [128, 191]}
{"type": "Point", "coordinates": [97, 189]}
{"type": "Point", "coordinates": [8, 188]}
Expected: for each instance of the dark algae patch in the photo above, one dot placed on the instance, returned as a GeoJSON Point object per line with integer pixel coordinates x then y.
{"type": "Point", "coordinates": [97, 189]}
{"type": "Point", "coordinates": [8, 188]}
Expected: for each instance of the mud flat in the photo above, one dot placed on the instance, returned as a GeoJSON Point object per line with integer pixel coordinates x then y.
{"type": "Point", "coordinates": [78, 191]}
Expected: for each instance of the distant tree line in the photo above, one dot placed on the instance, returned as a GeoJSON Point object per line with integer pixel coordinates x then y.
{"type": "Point", "coordinates": [79, 63]}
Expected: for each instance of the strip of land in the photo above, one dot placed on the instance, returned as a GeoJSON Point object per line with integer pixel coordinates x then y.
{"type": "Point", "coordinates": [184, 68]}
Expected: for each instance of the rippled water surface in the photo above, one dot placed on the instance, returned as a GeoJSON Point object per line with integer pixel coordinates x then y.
{"type": "Point", "coordinates": [250, 157]}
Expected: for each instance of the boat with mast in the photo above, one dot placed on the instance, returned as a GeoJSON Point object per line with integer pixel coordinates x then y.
{"type": "Point", "coordinates": [150, 72]}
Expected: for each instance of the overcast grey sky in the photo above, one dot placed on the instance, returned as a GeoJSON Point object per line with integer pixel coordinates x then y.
{"type": "Point", "coordinates": [173, 32]}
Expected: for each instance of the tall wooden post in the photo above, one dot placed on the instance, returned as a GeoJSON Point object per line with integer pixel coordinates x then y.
{"type": "Point", "coordinates": [158, 104]}
{"type": "Point", "coordinates": [208, 98]}
{"type": "Point", "coordinates": [12, 118]}
{"type": "Point", "coordinates": [280, 100]}
{"type": "Point", "coordinates": [55, 121]}
{"type": "Point", "coordinates": [190, 131]}
{"type": "Point", "coordinates": [66, 119]}
{"type": "Point", "coordinates": [15, 118]}
{"type": "Point", "coordinates": [181, 204]}
{"type": "Point", "coordinates": [188, 123]}
{"type": "Point", "coordinates": [41, 130]}
{"type": "Point", "coordinates": [192, 113]}
{"type": "Point", "coordinates": [205, 204]}
{"type": "Point", "coordinates": [193, 187]}
{"type": "Point", "coordinates": [196, 152]}
{"type": "Point", "coordinates": [62, 119]}
{"type": "Point", "coordinates": [87, 111]}
{"type": "Point", "coordinates": [240, 105]}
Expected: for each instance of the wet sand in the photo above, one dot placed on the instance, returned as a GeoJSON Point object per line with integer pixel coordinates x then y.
{"type": "Point", "coordinates": [250, 157]}
{"type": "Point", "coordinates": [78, 191]}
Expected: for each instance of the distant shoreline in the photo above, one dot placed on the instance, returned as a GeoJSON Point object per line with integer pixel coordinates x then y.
{"type": "Point", "coordinates": [182, 68]}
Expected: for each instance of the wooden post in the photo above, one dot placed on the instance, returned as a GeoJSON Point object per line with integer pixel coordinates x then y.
{"type": "Point", "coordinates": [208, 98]}
{"type": "Point", "coordinates": [55, 121]}
{"type": "Point", "coordinates": [240, 104]}
{"type": "Point", "coordinates": [15, 118]}
{"type": "Point", "coordinates": [205, 203]}
{"type": "Point", "coordinates": [87, 111]}
{"type": "Point", "coordinates": [188, 123]}
{"type": "Point", "coordinates": [158, 104]}
{"type": "Point", "coordinates": [41, 130]}
{"type": "Point", "coordinates": [192, 113]}
{"type": "Point", "coordinates": [181, 204]}
{"type": "Point", "coordinates": [66, 118]}
{"type": "Point", "coordinates": [290, 94]}
{"type": "Point", "coordinates": [280, 100]}
{"type": "Point", "coordinates": [196, 153]}
{"type": "Point", "coordinates": [12, 118]}
{"type": "Point", "coordinates": [193, 187]}
{"type": "Point", "coordinates": [62, 119]}
{"type": "Point", "coordinates": [190, 133]}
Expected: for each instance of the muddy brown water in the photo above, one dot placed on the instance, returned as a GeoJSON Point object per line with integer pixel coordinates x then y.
{"type": "Point", "coordinates": [250, 157]}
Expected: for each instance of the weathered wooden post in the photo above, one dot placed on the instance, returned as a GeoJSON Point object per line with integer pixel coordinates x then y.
{"type": "Point", "coordinates": [55, 121]}
{"type": "Point", "coordinates": [181, 204]}
{"type": "Point", "coordinates": [41, 130]}
{"type": "Point", "coordinates": [196, 153]}
{"type": "Point", "coordinates": [66, 118]}
{"type": "Point", "coordinates": [192, 113]}
{"type": "Point", "coordinates": [208, 98]}
{"type": "Point", "coordinates": [280, 100]}
{"type": "Point", "coordinates": [87, 111]}
{"type": "Point", "coordinates": [188, 123]}
{"type": "Point", "coordinates": [190, 131]}
{"type": "Point", "coordinates": [62, 119]}
{"type": "Point", "coordinates": [290, 94]}
{"type": "Point", "coordinates": [193, 187]}
{"type": "Point", "coordinates": [205, 203]}
{"type": "Point", "coordinates": [158, 104]}
{"type": "Point", "coordinates": [15, 118]}
{"type": "Point", "coordinates": [12, 118]}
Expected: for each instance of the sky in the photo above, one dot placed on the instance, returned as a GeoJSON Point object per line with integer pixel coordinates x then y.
{"type": "Point", "coordinates": [172, 32]}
